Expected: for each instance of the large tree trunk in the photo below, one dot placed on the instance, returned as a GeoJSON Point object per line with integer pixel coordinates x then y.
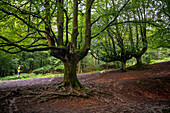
{"type": "Point", "coordinates": [139, 60]}
{"type": "Point", "coordinates": [70, 78]}
{"type": "Point", "coordinates": [92, 60]}
{"type": "Point", "coordinates": [79, 68]}
{"type": "Point", "coordinates": [123, 66]}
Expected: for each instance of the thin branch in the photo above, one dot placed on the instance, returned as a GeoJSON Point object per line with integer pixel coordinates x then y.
{"type": "Point", "coordinates": [24, 11]}
{"type": "Point", "coordinates": [112, 20]}
{"type": "Point", "coordinates": [24, 38]}
{"type": "Point", "coordinates": [166, 13]}
{"type": "Point", "coordinates": [106, 58]}
{"type": "Point", "coordinates": [149, 22]}
{"type": "Point", "coordinates": [29, 25]}
{"type": "Point", "coordinates": [10, 52]}
{"type": "Point", "coordinates": [24, 4]}
{"type": "Point", "coordinates": [67, 19]}
{"type": "Point", "coordinates": [54, 10]}
{"type": "Point", "coordinates": [95, 20]}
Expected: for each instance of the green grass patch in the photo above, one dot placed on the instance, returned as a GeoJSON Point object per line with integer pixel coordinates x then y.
{"type": "Point", "coordinates": [33, 75]}
{"type": "Point", "coordinates": [163, 60]}
{"type": "Point", "coordinates": [89, 72]}
{"type": "Point", "coordinates": [29, 76]}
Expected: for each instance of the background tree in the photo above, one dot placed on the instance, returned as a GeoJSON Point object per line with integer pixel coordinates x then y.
{"type": "Point", "coordinates": [136, 21]}
{"type": "Point", "coordinates": [8, 64]}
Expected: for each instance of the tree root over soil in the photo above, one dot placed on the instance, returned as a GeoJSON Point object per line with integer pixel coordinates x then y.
{"type": "Point", "coordinates": [69, 90]}
{"type": "Point", "coordinates": [15, 92]}
{"type": "Point", "coordinates": [59, 91]}
{"type": "Point", "coordinates": [140, 67]}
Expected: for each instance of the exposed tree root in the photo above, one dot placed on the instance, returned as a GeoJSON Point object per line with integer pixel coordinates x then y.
{"type": "Point", "coordinates": [140, 66]}
{"type": "Point", "coordinates": [11, 93]}
{"type": "Point", "coordinates": [61, 90]}
{"type": "Point", "coordinates": [73, 91]}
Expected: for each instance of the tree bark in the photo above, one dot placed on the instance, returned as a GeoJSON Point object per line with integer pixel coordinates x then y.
{"type": "Point", "coordinates": [70, 78]}
{"type": "Point", "coordinates": [123, 66]}
{"type": "Point", "coordinates": [92, 60]}
{"type": "Point", "coordinates": [139, 60]}
{"type": "Point", "coordinates": [60, 21]}
{"type": "Point", "coordinates": [158, 54]}
{"type": "Point", "coordinates": [75, 23]}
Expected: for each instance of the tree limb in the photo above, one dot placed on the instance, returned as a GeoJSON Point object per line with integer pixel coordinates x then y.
{"type": "Point", "coordinates": [27, 48]}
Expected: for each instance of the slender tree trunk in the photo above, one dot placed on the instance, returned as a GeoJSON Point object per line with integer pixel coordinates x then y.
{"type": "Point", "coordinates": [84, 63]}
{"type": "Point", "coordinates": [92, 60]}
{"type": "Point", "coordinates": [98, 62]}
{"type": "Point", "coordinates": [41, 62]}
{"type": "Point", "coordinates": [158, 54]}
{"type": "Point", "coordinates": [123, 66]}
{"type": "Point", "coordinates": [70, 78]}
{"type": "Point", "coordinates": [79, 68]}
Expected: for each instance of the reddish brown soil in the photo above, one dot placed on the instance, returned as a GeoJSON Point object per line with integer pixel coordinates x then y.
{"type": "Point", "coordinates": [134, 91]}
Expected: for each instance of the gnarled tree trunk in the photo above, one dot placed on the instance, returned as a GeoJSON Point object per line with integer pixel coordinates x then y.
{"type": "Point", "coordinates": [139, 60]}
{"type": "Point", "coordinates": [123, 66]}
{"type": "Point", "coordinates": [70, 78]}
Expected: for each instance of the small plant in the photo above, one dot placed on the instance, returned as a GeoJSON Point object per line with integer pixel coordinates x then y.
{"type": "Point", "coordinates": [42, 70]}
{"type": "Point", "coordinates": [138, 81]}
{"type": "Point", "coordinates": [61, 67]}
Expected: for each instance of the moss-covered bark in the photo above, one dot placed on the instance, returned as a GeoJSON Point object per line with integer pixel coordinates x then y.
{"type": "Point", "coordinates": [139, 60]}
{"type": "Point", "coordinates": [70, 78]}
{"type": "Point", "coordinates": [123, 66]}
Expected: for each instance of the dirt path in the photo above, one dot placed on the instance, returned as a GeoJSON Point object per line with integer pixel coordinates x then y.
{"type": "Point", "coordinates": [143, 91]}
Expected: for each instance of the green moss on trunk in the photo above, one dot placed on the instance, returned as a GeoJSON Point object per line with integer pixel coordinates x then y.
{"type": "Point", "coordinates": [70, 78]}
{"type": "Point", "coordinates": [123, 66]}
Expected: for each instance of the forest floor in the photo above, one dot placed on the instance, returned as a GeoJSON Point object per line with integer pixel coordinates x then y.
{"type": "Point", "coordinates": [134, 91]}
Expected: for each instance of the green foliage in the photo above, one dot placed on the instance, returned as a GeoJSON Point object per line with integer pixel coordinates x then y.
{"type": "Point", "coordinates": [60, 67]}
{"type": "Point", "coordinates": [160, 38]}
{"type": "Point", "coordinates": [40, 62]}
{"type": "Point", "coordinates": [96, 68]}
{"type": "Point", "coordinates": [8, 64]}
{"type": "Point", "coordinates": [163, 60]}
{"type": "Point", "coordinates": [31, 61]}
{"type": "Point", "coordinates": [43, 69]}
{"type": "Point", "coordinates": [156, 55]}
{"type": "Point", "coordinates": [53, 64]}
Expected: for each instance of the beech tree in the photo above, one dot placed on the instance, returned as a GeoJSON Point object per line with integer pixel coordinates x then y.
{"type": "Point", "coordinates": [128, 36]}
{"type": "Point", "coordinates": [149, 10]}
{"type": "Point", "coordinates": [52, 25]}
{"type": "Point", "coordinates": [115, 46]}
